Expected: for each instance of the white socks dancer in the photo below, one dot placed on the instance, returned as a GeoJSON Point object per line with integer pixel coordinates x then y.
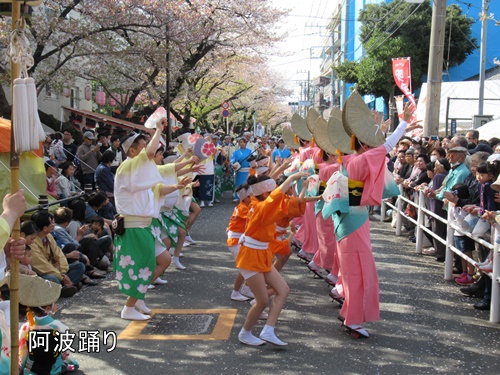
{"type": "Point", "coordinates": [245, 290]}
{"type": "Point", "coordinates": [263, 315]}
{"type": "Point", "coordinates": [172, 251]}
{"type": "Point", "coordinates": [129, 313]}
{"type": "Point", "coordinates": [268, 335]}
{"type": "Point", "coordinates": [142, 306]}
{"type": "Point", "coordinates": [237, 296]}
{"type": "Point", "coordinates": [177, 263]}
{"type": "Point", "coordinates": [246, 337]}
{"type": "Point", "coordinates": [160, 281]}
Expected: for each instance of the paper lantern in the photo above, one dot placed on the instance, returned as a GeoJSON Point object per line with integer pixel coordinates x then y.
{"type": "Point", "coordinates": [88, 93]}
{"type": "Point", "coordinates": [112, 101]}
{"type": "Point", "coordinates": [100, 97]}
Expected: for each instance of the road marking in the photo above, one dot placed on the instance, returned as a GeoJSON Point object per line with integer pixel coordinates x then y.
{"type": "Point", "coordinates": [221, 331]}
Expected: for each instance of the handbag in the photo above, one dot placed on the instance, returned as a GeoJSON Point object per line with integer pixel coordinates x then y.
{"type": "Point", "coordinates": [118, 225]}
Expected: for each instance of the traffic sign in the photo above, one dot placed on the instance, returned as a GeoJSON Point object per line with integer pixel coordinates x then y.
{"type": "Point", "coordinates": [225, 105]}
{"type": "Point", "coordinates": [225, 113]}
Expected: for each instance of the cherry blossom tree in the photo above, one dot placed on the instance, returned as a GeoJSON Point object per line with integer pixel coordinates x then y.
{"type": "Point", "coordinates": [122, 47]}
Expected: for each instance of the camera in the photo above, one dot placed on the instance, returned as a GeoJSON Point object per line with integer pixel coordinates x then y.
{"type": "Point", "coordinates": [434, 138]}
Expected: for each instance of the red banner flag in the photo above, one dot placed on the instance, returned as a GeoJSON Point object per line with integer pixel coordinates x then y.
{"type": "Point", "coordinates": [402, 76]}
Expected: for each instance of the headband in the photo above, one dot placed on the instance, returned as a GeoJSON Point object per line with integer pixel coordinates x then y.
{"type": "Point", "coordinates": [261, 170]}
{"type": "Point", "coordinates": [262, 187]}
{"type": "Point", "coordinates": [128, 142]}
{"type": "Point", "coordinates": [262, 162]}
{"type": "Point", "coordinates": [244, 193]}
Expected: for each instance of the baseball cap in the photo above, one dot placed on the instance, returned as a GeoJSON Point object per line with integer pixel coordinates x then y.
{"type": "Point", "coordinates": [482, 147]}
{"type": "Point", "coordinates": [89, 135]}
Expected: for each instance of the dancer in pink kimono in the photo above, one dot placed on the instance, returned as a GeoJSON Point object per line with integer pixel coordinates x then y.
{"type": "Point", "coordinates": [358, 281]}
{"type": "Point", "coordinates": [326, 256]}
{"type": "Point", "coordinates": [307, 233]}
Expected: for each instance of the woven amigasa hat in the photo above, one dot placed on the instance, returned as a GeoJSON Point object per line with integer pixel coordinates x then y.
{"type": "Point", "coordinates": [289, 139]}
{"type": "Point", "coordinates": [358, 120]}
{"type": "Point", "coordinates": [35, 291]}
{"type": "Point", "coordinates": [312, 116]}
{"type": "Point", "coordinates": [321, 137]}
{"type": "Point", "coordinates": [336, 132]}
{"type": "Point", "coordinates": [299, 127]}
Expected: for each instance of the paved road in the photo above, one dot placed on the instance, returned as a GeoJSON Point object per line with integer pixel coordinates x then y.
{"type": "Point", "coordinates": [427, 326]}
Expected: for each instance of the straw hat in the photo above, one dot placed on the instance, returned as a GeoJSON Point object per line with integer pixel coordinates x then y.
{"type": "Point", "coordinates": [336, 133]}
{"type": "Point", "coordinates": [35, 291]}
{"type": "Point", "coordinates": [289, 139]}
{"type": "Point", "coordinates": [358, 120]}
{"type": "Point", "coordinates": [312, 116]}
{"type": "Point", "coordinates": [299, 127]}
{"type": "Point", "coordinates": [321, 136]}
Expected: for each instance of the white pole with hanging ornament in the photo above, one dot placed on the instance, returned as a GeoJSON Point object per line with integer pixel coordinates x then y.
{"type": "Point", "coordinates": [26, 131]}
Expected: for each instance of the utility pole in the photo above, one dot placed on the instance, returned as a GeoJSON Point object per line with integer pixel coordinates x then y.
{"type": "Point", "coordinates": [333, 78]}
{"type": "Point", "coordinates": [482, 64]}
{"type": "Point", "coordinates": [435, 71]}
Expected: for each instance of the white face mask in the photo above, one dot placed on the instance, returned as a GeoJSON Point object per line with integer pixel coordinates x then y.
{"type": "Point", "coordinates": [455, 164]}
{"type": "Point", "coordinates": [434, 158]}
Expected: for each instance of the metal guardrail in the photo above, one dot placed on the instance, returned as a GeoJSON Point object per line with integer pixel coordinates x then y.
{"type": "Point", "coordinates": [448, 242]}
{"type": "Point", "coordinates": [43, 202]}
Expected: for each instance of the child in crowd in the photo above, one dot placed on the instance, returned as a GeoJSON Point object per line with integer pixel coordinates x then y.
{"type": "Point", "coordinates": [463, 243]}
{"type": "Point", "coordinates": [97, 227]}
{"type": "Point", "coordinates": [486, 174]}
{"type": "Point", "coordinates": [25, 263]}
{"type": "Point", "coordinates": [57, 149]}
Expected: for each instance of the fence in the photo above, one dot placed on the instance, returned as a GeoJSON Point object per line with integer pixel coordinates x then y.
{"type": "Point", "coordinates": [448, 242]}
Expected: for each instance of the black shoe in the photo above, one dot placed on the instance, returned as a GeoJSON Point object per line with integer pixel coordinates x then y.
{"type": "Point", "coordinates": [88, 282]}
{"type": "Point", "coordinates": [440, 259]}
{"type": "Point", "coordinates": [482, 306]}
{"type": "Point", "coordinates": [472, 290]}
{"type": "Point", "coordinates": [96, 275]}
{"type": "Point", "coordinates": [413, 239]}
{"type": "Point", "coordinates": [68, 291]}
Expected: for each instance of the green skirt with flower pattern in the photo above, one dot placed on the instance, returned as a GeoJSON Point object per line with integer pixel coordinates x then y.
{"type": "Point", "coordinates": [134, 261]}
{"type": "Point", "coordinates": [173, 220]}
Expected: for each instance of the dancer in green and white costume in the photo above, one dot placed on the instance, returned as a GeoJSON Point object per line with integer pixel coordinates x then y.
{"type": "Point", "coordinates": [166, 235]}
{"type": "Point", "coordinates": [138, 190]}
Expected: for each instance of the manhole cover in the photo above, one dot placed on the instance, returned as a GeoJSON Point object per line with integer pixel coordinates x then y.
{"type": "Point", "coordinates": [181, 324]}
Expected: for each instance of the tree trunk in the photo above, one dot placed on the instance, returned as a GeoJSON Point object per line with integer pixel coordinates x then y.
{"type": "Point", "coordinates": [50, 121]}
{"type": "Point", "coordinates": [5, 107]}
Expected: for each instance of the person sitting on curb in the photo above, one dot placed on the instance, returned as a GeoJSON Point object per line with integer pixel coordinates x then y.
{"type": "Point", "coordinates": [49, 262]}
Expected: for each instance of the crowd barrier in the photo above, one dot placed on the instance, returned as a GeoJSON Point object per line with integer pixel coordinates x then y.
{"type": "Point", "coordinates": [448, 242]}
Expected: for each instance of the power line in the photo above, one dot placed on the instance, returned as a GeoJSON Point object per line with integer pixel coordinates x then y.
{"type": "Point", "coordinates": [402, 23]}
{"type": "Point", "coordinates": [393, 24]}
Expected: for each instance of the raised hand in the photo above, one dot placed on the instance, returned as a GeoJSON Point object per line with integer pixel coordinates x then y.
{"type": "Point", "coordinates": [409, 108]}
